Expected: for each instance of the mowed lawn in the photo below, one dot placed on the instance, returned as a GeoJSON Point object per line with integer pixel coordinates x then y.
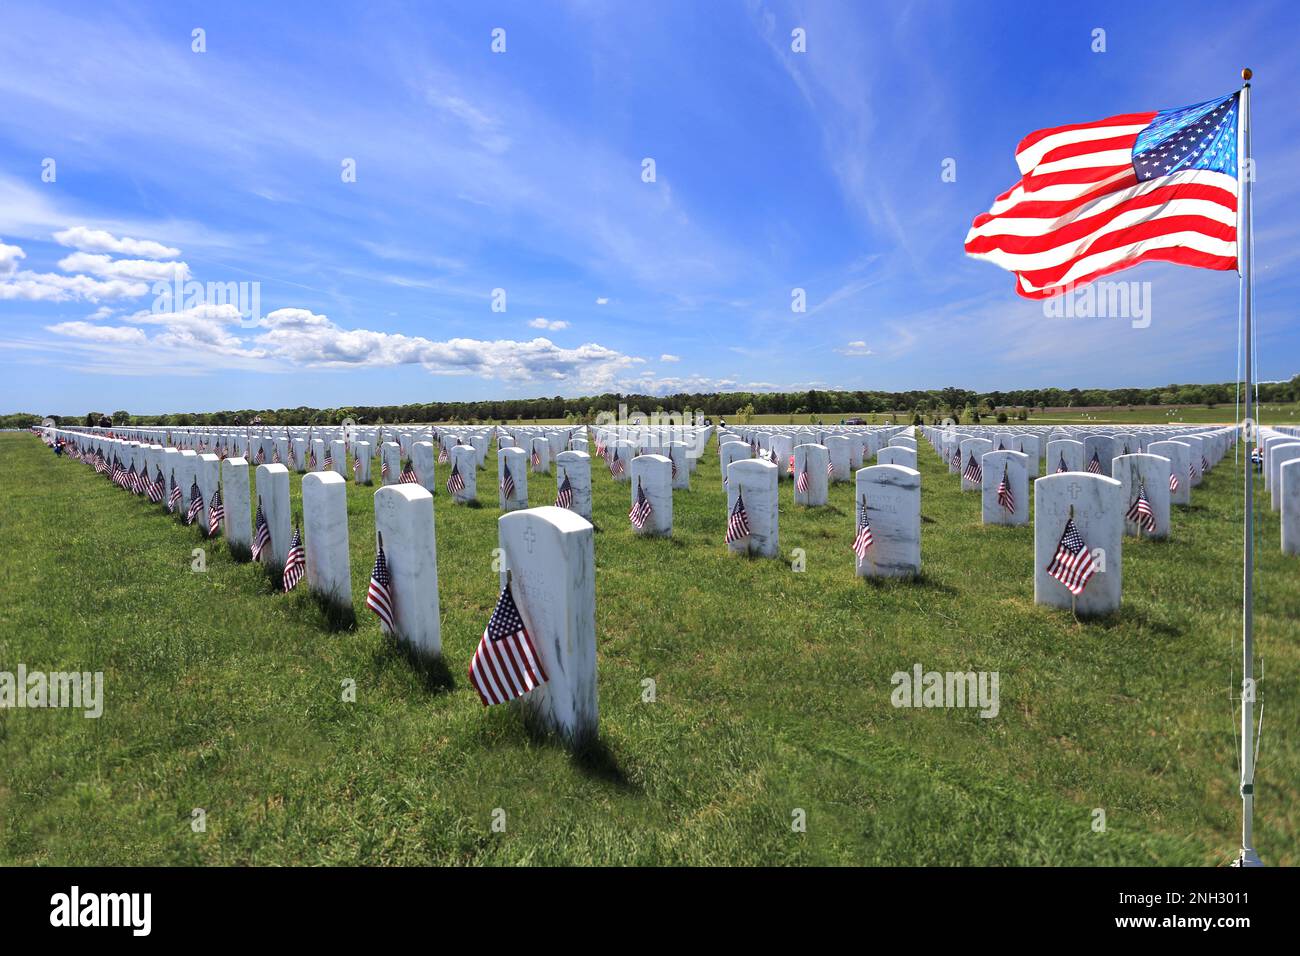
{"type": "Point", "coordinates": [772, 697]}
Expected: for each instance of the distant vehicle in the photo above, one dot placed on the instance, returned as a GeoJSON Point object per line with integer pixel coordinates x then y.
{"type": "Point", "coordinates": [854, 421]}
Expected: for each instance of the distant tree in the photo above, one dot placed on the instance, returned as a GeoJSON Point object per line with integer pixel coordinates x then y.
{"type": "Point", "coordinates": [121, 417]}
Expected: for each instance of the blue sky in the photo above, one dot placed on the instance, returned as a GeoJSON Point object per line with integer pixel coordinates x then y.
{"type": "Point", "coordinates": [522, 171]}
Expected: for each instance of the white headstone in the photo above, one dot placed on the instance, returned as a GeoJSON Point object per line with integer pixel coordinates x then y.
{"type": "Point", "coordinates": [1289, 504]}
{"type": "Point", "coordinates": [325, 536]}
{"type": "Point", "coordinates": [339, 457]}
{"type": "Point", "coordinates": [653, 474]}
{"type": "Point", "coordinates": [273, 493]}
{"type": "Point", "coordinates": [892, 494]}
{"type": "Point", "coordinates": [1013, 466]}
{"type": "Point", "coordinates": [362, 452]}
{"type": "Point", "coordinates": [464, 461]}
{"type": "Point", "coordinates": [896, 455]}
{"type": "Point", "coordinates": [1095, 504]}
{"type": "Point", "coordinates": [238, 526]}
{"type": "Point", "coordinates": [813, 459]}
{"type": "Point", "coordinates": [837, 447]}
{"type": "Point", "coordinates": [1149, 474]}
{"type": "Point", "coordinates": [576, 466]}
{"type": "Point", "coordinates": [404, 523]}
{"type": "Point", "coordinates": [390, 454]}
{"type": "Point", "coordinates": [208, 471]}
{"type": "Point", "coordinates": [1063, 451]}
{"type": "Point", "coordinates": [757, 481]}
{"type": "Point", "coordinates": [541, 456]}
{"type": "Point", "coordinates": [1178, 454]}
{"type": "Point", "coordinates": [551, 569]}
{"type": "Point", "coordinates": [1278, 455]}
{"type": "Point", "coordinates": [972, 450]}
{"type": "Point", "coordinates": [516, 460]}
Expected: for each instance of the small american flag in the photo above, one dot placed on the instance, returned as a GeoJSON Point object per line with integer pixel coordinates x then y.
{"type": "Point", "coordinates": [275, 454]}
{"type": "Point", "coordinates": [442, 454]}
{"type": "Point", "coordinates": [862, 541]}
{"type": "Point", "coordinates": [507, 482]}
{"type": "Point", "coordinates": [956, 458]}
{"type": "Point", "coordinates": [1205, 465]}
{"type": "Point", "coordinates": [1140, 512]}
{"type": "Point", "coordinates": [830, 468]}
{"type": "Point", "coordinates": [356, 468]}
{"type": "Point", "coordinates": [564, 499]}
{"type": "Point", "coordinates": [261, 533]}
{"type": "Point", "coordinates": [600, 448]}
{"type": "Point", "coordinates": [1094, 466]}
{"type": "Point", "coordinates": [216, 512]}
{"type": "Point", "coordinates": [1005, 497]}
{"type": "Point", "coordinates": [738, 523]}
{"type": "Point", "coordinates": [537, 459]}
{"type": "Point", "coordinates": [174, 496]}
{"type": "Point", "coordinates": [802, 483]}
{"type": "Point", "coordinates": [311, 458]}
{"type": "Point", "coordinates": [260, 459]}
{"type": "Point", "coordinates": [1173, 482]}
{"type": "Point", "coordinates": [505, 665]}
{"type": "Point", "coordinates": [1072, 565]}
{"type": "Point", "coordinates": [641, 509]}
{"type": "Point", "coordinates": [383, 464]}
{"type": "Point", "coordinates": [973, 473]}
{"type": "Point", "coordinates": [1001, 447]}
{"type": "Point", "coordinates": [131, 481]}
{"type": "Point", "coordinates": [616, 465]}
{"type": "Point", "coordinates": [1061, 468]}
{"type": "Point", "coordinates": [296, 562]}
{"type": "Point", "coordinates": [329, 459]}
{"type": "Point", "coordinates": [196, 503]}
{"type": "Point", "coordinates": [379, 598]}
{"type": "Point", "coordinates": [455, 481]}
{"type": "Point", "coordinates": [157, 488]}
{"type": "Point", "coordinates": [408, 474]}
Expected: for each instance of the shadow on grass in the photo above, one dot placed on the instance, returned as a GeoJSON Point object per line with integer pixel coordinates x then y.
{"type": "Point", "coordinates": [432, 671]}
{"type": "Point", "coordinates": [592, 756]}
{"type": "Point", "coordinates": [919, 580]}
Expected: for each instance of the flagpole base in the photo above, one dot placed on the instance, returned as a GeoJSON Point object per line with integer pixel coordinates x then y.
{"type": "Point", "coordinates": [1247, 857]}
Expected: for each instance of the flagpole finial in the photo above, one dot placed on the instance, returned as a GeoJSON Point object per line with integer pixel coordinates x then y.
{"type": "Point", "coordinates": [1247, 73]}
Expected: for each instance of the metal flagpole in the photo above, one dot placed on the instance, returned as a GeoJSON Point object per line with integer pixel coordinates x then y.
{"type": "Point", "coordinates": [1246, 173]}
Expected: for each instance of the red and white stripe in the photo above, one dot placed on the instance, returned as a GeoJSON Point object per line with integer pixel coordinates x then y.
{"type": "Point", "coordinates": [1079, 211]}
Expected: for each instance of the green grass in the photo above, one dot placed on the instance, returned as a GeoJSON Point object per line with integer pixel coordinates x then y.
{"type": "Point", "coordinates": [772, 694]}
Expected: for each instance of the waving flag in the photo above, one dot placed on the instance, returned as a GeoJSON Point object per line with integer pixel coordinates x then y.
{"type": "Point", "coordinates": [1173, 482]}
{"type": "Point", "coordinates": [564, 498]}
{"type": "Point", "coordinates": [1072, 565]}
{"type": "Point", "coordinates": [974, 472]}
{"type": "Point", "coordinates": [383, 465]}
{"type": "Point", "coordinates": [157, 488]}
{"type": "Point", "coordinates": [955, 461]}
{"type": "Point", "coordinates": [1140, 512]}
{"type": "Point", "coordinates": [507, 482]}
{"type": "Point", "coordinates": [616, 465]}
{"type": "Point", "coordinates": [505, 665]}
{"type": "Point", "coordinates": [1095, 198]}
{"type": "Point", "coordinates": [536, 459]}
{"type": "Point", "coordinates": [1094, 466]}
{"type": "Point", "coordinates": [379, 598]}
{"type": "Point", "coordinates": [804, 480]}
{"type": "Point", "coordinates": [356, 468]}
{"type": "Point", "coordinates": [174, 496]}
{"type": "Point", "coordinates": [442, 454]}
{"type": "Point", "coordinates": [329, 459]}
{"type": "Point", "coordinates": [295, 564]}
{"type": "Point", "coordinates": [408, 475]}
{"type": "Point", "coordinates": [260, 458]}
{"type": "Point", "coordinates": [862, 541]}
{"type": "Point", "coordinates": [1061, 467]}
{"type": "Point", "coordinates": [738, 523]}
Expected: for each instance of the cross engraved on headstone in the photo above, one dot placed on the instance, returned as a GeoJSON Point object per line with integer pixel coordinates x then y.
{"type": "Point", "coordinates": [530, 536]}
{"type": "Point", "coordinates": [1075, 488]}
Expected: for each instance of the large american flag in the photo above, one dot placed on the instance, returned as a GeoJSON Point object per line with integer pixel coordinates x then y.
{"type": "Point", "coordinates": [1095, 198]}
{"type": "Point", "coordinates": [295, 564]}
{"type": "Point", "coordinates": [1072, 564]}
{"type": "Point", "coordinates": [261, 533]}
{"type": "Point", "coordinates": [862, 540]}
{"type": "Point", "coordinates": [641, 509]}
{"type": "Point", "coordinates": [379, 598]}
{"type": "Point", "coordinates": [506, 664]}
{"type": "Point", "coordinates": [738, 523]}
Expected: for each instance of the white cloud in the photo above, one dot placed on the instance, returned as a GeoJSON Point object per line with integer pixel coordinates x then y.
{"type": "Point", "coordinates": [857, 348]}
{"type": "Point", "coordinates": [97, 240]}
{"type": "Point", "coordinates": [670, 358]}
{"type": "Point", "coordinates": [117, 335]}
{"type": "Point", "coordinates": [551, 325]}
{"type": "Point", "coordinates": [9, 256]}
{"type": "Point", "coordinates": [51, 287]}
{"type": "Point", "coordinates": [203, 327]}
{"type": "Point", "coordinates": [109, 268]}
{"type": "Point", "coordinates": [602, 300]}
{"type": "Point", "coordinates": [103, 312]}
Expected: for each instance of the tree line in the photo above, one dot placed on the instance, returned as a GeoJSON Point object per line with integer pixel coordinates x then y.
{"type": "Point", "coordinates": [922, 404]}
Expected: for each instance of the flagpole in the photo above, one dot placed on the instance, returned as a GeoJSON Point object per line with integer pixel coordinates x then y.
{"type": "Point", "coordinates": [1247, 856]}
